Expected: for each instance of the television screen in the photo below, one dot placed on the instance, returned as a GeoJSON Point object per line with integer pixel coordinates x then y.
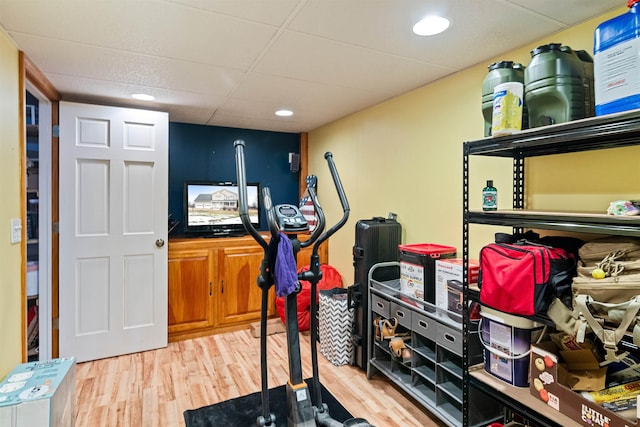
{"type": "Point", "coordinates": [212, 207]}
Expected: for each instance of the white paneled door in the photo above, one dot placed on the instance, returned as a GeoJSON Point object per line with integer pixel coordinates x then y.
{"type": "Point", "coordinates": [113, 230]}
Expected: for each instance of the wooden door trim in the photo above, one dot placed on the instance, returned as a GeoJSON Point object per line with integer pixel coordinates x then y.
{"type": "Point", "coordinates": [304, 163]}
{"type": "Point", "coordinates": [23, 204]}
{"type": "Point", "coordinates": [38, 79]}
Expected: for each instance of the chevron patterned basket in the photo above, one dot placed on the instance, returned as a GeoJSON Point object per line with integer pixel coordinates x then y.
{"type": "Point", "coordinates": [335, 322]}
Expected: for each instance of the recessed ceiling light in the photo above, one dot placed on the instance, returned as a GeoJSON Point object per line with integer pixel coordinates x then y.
{"type": "Point", "coordinates": [143, 97]}
{"type": "Point", "coordinates": [284, 113]}
{"type": "Point", "coordinates": [431, 25]}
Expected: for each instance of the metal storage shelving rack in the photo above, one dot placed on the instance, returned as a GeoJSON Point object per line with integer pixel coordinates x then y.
{"type": "Point", "coordinates": [611, 131]}
{"type": "Point", "coordinates": [434, 376]}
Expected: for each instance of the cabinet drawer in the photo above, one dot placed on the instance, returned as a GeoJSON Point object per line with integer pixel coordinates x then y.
{"type": "Point", "coordinates": [450, 339]}
{"type": "Point", "coordinates": [424, 326]}
{"type": "Point", "coordinates": [401, 313]}
{"type": "Point", "coordinates": [381, 306]}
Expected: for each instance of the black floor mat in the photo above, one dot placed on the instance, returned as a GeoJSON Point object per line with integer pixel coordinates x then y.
{"type": "Point", "coordinates": [243, 411]}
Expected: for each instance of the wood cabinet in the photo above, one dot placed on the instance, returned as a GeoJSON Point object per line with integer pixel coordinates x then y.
{"type": "Point", "coordinates": [190, 289]}
{"type": "Point", "coordinates": [240, 295]}
{"type": "Point", "coordinates": [213, 284]}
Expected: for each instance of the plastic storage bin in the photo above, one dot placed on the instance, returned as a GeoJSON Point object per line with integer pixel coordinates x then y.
{"type": "Point", "coordinates": [417, 269]}
{"type": "Point", "coordinates": [507, 343]}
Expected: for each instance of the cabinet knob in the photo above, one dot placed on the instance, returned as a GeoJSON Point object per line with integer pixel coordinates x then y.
{"type": "Point", "coordinates": [159, 243]}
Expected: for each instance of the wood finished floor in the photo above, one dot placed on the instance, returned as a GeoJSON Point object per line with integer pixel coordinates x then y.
{"type": "Point", "coordinates": [154, 388]}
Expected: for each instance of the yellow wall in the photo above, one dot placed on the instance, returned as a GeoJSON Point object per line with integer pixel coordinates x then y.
{"type": "Point", "coordinates": [10, 257]}
{"type": "Point", "coordinates": [405, 156]}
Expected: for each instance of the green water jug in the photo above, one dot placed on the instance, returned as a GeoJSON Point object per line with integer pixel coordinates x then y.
{"type": "Point", "coordinates": [499, 72]}
{"type": "Point", "coordinates": [558, 85]}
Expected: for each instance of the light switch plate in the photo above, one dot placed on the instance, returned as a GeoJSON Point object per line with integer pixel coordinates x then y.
{"type": "Point", "coordinates": [16, 230]}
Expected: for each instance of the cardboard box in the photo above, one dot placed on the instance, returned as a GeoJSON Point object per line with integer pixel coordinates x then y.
{"type": "Point", "coordinates": [549, 372]}
{"type": "Point", "coordinates": [39, 394]}
{"type": "Point", "coordinates": [448, 271]}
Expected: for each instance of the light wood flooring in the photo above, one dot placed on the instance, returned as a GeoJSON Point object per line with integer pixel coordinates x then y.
{"type": "Point", "coordinates": [154, 388]}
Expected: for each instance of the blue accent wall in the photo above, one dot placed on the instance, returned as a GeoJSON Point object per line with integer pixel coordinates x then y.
{"type": "Point", "coordinates": [206, 153]}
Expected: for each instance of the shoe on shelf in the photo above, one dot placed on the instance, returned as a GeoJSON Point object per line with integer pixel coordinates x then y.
{"type": "Point", "coordinates": [399, 349]}
{"type": "Point", "coordinates": [388, 328]}
{"type": "Point", "coordinates": [376, 328]}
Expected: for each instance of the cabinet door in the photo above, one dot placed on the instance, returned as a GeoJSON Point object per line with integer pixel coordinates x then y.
{"type": "Point", "coordinates": [190, 290]}
{"type": "Point", "coordinates": [240, 296]}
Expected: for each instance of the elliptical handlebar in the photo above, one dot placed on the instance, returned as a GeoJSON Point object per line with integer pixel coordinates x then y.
{"type": "Point", "coordinates": [265, 280]}
{"type": "Point", "coordinates": [343, 201]}
{"type": "Point", "coordinates": [271, 213]}
{"type": "Point", "coordinates": [317, 237]}
{"type": "Point", "coordinates": [238, 144]}
{"type": "Point", "coordinates": [319, 213]}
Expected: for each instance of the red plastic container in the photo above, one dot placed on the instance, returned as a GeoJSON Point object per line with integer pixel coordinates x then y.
{"type": "Point", "coordinates": [417, 268]}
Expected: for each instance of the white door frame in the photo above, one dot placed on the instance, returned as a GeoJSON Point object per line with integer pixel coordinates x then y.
{"type": "Point", "coordinates": [44, 220]}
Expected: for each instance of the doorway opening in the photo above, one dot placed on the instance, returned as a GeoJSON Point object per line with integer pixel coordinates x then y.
{"type": "Point", "coordinates": [37, 223]}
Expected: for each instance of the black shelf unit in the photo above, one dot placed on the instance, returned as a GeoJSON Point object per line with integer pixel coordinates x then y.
{"type": "Point", "coordinates": [611, 131]}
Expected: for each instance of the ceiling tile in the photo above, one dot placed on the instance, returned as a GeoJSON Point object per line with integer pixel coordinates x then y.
{"type": "Point", "coordinates": [169, 31]}
{"type": "Point", "coordinates": [569, 12]}
{"type": "Point", "coordinates": [313, 59]}
{"type": "Point", "coordinates": [384, 27]}
{"type": "Point", "coordinates": [103, 64]}
{"type": "Point", "coordinates": [272, 12]}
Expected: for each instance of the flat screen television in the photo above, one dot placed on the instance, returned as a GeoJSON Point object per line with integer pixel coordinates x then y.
{"type": "Point", "coordinates": [212, 209]}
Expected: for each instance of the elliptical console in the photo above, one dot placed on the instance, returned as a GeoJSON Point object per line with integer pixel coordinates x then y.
{"type": "Point", "coordinates": [290, 219]}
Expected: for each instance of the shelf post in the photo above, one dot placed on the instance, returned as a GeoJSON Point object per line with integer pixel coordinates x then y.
{"type": "Point", "coordinates": [518, 185]}
{"type": "Point", "coordinates": [465, 284]}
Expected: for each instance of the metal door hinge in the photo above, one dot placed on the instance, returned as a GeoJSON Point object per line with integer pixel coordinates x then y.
{"type": "Point", "coordinates": [222, 286]}
{"type": "Point", "coordinates": [210, 288]}
{"type": "Point", "coordinates": [56, 323]}
{"type": "Point", "coordinates": [56, 227]}
{"type": "Point", "coordinates": [56, 131]}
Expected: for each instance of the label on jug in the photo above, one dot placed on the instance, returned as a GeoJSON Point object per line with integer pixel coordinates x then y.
{"type": "Point", "coordinates": [507, 108]}
{"type": "Point", "coordinates": [616, 72]}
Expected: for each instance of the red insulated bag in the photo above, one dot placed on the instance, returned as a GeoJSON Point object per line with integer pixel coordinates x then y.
{"type": "Point", "coordinates": [523, 278]}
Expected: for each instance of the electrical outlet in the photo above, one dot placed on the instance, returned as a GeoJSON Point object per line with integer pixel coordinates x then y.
{"type": "Point", "coordinates": [16, 230]}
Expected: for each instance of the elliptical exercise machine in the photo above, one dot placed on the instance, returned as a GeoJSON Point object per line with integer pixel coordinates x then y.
{"type": "Point", "coordinates": [285, 221]}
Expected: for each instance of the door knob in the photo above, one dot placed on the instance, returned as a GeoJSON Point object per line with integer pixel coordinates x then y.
{"type": "Point", "coordinates": [159, 243]}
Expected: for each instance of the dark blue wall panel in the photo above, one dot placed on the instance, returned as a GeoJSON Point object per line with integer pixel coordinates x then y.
{"type": "Point", "coordinates": [206, 153]}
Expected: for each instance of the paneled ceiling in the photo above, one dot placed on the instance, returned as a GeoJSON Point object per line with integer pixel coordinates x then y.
{"type": "Point", "coordinates": [235, 62]}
